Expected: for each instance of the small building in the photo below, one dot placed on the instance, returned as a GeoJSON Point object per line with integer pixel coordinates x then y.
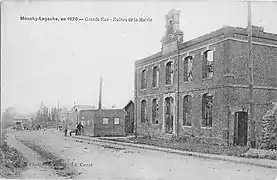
{"type": "Point", "coordinates": [109, 122]}
{"type": "Point", "coordinates": [101, 122]}
{"type": "Point", "coordinates": [19, 125]}
{"type": "Point", "coordinates": [22, 123]}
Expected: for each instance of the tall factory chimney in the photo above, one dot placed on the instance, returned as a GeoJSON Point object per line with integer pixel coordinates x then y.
{"type": "Point", "coordinates": [100, 95]}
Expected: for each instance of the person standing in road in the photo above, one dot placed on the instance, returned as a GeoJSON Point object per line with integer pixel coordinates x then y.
{"type": "Point", "coordinates": [76, 129]}
{"type": "Point", "coordinates": [65, 131]}
{"type": "Point", "coordinates": [79, 127]}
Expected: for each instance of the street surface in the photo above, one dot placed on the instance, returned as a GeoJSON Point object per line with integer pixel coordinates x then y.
{"type": "Point", "coordinates": [100, 160]}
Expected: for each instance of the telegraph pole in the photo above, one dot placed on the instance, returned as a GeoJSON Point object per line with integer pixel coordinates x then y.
{"type": "Point", "coordinates": [58, 114]}
{"type": "Point", "coordinates": [135, 101]}
{"type": "Point", "coordinates": [66, 118]}
{"type": "Point", "coordinates": [178, 92]}
{"type": "Point", "coordinates": [251, 81]}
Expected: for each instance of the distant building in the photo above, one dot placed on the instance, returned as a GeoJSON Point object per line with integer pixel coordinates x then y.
{"type": "Point", "coordinates": [18, 125]}
{"type": "Point", "coordinates": [101, 122]}
{"type": "Point", "coordinates": [199, 88]}
{"type": "Point", "coordinates": [22, 123]}
{"type": "Point", "coordinates": [79, 109]}
{"type": "Point", "coordinates": [67, 118]}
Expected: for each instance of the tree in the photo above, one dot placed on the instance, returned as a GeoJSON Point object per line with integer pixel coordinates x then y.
{"type": "Point", "coordinates": [6, 121]}
{"type": "Point", "coordinates": [8, 116]}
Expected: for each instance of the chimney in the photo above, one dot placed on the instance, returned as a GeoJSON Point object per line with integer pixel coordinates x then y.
{"type": "Point", "coordinates": [100, 95]}
{"type": "Point", "coordinates": [258, 28]}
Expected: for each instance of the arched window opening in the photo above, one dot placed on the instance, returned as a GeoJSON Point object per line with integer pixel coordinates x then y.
{"type": "Point", "coordinates": [143, 111]}
{"type": "Point", "coordinates": [155, 111]}
{"type": "Point", "coordinates": [169, 73]}
{"type": "Point", "coordinates": [207, 107]}
{"type": "Point", "coordinates": [188, 64]}
{"type": "Point", "coordinates": [169, 115]}
{"type": "Point", "coordinates": [208, 64]}
{"type": "Point", "coordinates": [187, 106]}
{"type": "Point", "coordinates": [155, 78]}
{"type": "Point", "coordinates": [143, 79]}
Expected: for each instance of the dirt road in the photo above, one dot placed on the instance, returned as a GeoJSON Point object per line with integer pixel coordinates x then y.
{"type": "Point", "coordinates": [83, 160]}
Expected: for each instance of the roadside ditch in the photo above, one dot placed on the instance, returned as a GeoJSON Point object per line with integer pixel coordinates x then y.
{"type": "Point", "coordinates": [61, 167]}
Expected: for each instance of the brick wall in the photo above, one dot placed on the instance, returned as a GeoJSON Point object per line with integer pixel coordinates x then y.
{"type": "Point", "coordinates": [197, 88]}
{"type": "Point", "coordinates": [129, 118]}
{"type": "Point", "coordinates": [229, 85]}
{"type": "Point", "coordinates": [109, 129]}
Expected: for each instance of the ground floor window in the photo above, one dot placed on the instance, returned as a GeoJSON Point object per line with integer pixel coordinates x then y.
{"type": "Point", "coordinates": [169, 106]}
{"type": "Point", "coordinates": [155, 110]}
{"type": "Point", "coordinates": [187, 106]}
{"type": "Point", "coordinates": [143, 111]}
{"type": "Point", "coordinates": [116, 120]}
{"type": "Point", "coordinates": [105, 120]}
{"type": "Point", "coordinates": [207, 106]}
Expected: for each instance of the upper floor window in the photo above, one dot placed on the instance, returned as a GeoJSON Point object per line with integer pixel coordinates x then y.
{"type": "Point", "coordinates": [155, 78]}
{"type": "Point", "coordinates": [143, 111]}
{"type": "Point", "coordinates": [143, 79]}
{"type": "Point", "coordinates": [207, 108]}
{"type": "Point", "coordinates": [207, 64]}
{"type": "Point", "coordinates": [155, 110]}
{"type": "Point", "coordinates": [187, 106]}
{"type": "Point", "coordinates": [169, 73]}
{"type": "Point", "coordinates": [188, 64]}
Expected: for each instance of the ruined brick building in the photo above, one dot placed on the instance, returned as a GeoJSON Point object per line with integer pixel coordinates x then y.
{"type": "Point", "coordinates": [200, 88]}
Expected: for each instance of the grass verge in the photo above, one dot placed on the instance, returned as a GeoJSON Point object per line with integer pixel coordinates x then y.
{"type": "Point", "coordinates": [11, 161]}
{"type": "Point", "coordinates": [59, 165]}
{"type": "Point", "coordinates": [185, 146]}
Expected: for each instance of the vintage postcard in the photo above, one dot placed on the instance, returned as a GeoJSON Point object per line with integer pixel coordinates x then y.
{"type": "Point", "coordinates": [138, 90]}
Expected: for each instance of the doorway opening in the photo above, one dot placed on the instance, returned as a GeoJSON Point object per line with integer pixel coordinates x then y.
{"type": "Point", "coordinates": [240, 129]}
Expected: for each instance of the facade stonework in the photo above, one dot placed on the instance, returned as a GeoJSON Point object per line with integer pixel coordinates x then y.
{"type": "Point", "coordinates": [227, 86]}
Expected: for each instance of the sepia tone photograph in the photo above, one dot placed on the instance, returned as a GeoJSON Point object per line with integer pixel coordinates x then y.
{"type": "Point", "coordinates": [138, 90]}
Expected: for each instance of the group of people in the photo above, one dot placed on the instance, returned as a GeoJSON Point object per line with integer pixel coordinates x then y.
{"type": "Point", "coordinates": [78, 129]}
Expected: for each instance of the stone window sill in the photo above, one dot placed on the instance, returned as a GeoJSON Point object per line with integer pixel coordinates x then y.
{"type": "Point", "coordinates": [186, 126]}
{"type": "Point", "coordinates": [206, 79]}
{"type": "Point", "coordinates": [187, 82]}
{"type": "Point", "coordinates": [206, 127]}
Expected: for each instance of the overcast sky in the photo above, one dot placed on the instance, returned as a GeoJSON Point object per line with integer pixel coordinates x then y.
{"type": "Point", "coordinates": [51, 61]}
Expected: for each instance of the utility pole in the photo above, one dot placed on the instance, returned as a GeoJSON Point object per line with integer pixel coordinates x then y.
{"type": "Point", "coordinates": [75, 111]}
{"type": "Point", "coordinates": [66, 119]}
{"type": "Point", "coordinates": [251, 81]}
{"type": "Point", "coordinates": [135, 101]}
{"type": "Point", "coordinates": [58, 111]}
{"type": "Point", "coordinates": [178, 92]}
